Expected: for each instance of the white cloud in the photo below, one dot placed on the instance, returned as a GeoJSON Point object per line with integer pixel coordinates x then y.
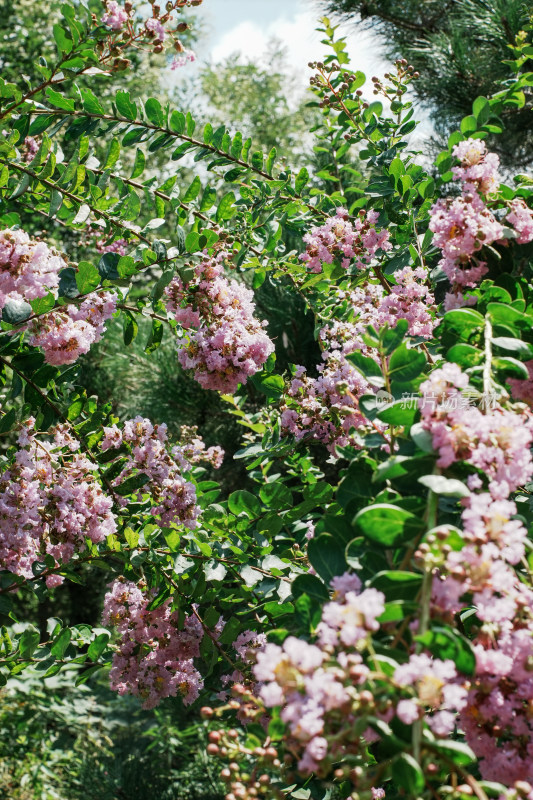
{"type": "Point", "coordinates": [297, 33]}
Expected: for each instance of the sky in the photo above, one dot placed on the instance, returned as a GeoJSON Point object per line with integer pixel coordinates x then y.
{"type": "Point", "coordinates": [247, 26]}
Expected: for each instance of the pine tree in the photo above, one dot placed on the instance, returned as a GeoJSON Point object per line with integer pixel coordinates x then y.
{"type": "Point", "coordinates": [459, 47]}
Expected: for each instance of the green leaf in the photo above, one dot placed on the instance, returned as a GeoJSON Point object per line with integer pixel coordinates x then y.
{"type": "Point", "coordinates": [464, 320]}
{"type": "Point", "coordinates": [125, 106]}
{"type": "Point", "coordinates": [276, 495]}
{"type": "Point", "coordinates": [59, 101]}
{"type": "Point", "coordinates": [156, 336]}
{"type": "Point", "coordinates": [443, 642]}
{"type": "Point", "coordinates": [87, 277]}
{"type": "Point", "coordinates": [301, 180]}
{"type": "Point", "coordinates": [407, 775]}
{"type": "Point", "coordinates": [512, 367]}
{"type": "Point", "coordinates": [457, 752]}
{"type": "Point", "coordinates": [257, 161]}
{"type": "Point", "coordinates": [364, 364]}
{"type": "Point", "coordinates": [390, 338]}
{"type": "Point", "coordinates": [154, 112]}
{"type": "Point", "coordinates": [209, 198]}
{"type": "Point", "coordinates": [63, 42]}
{"type": "Point", "coordinates": [397, 584]}
{"type": "Point", "coordinates": [388, 525]}
{"type": "Point", "coordinates": [91, 104]}
{"type": "Point", "coordinates": [406, 364]}
{"type": "Point", "coordinates": [310, 585]}
{"type": "Point", "coordinates": [243, 502]}
{"type": "Point", "coordinates": [43, 304]}
{"type": "Point", "coordinates": [8, 420]}
{"type": "Point", "coordinates": [326, 556]}
{"type": "Point", "coordinates": [61, 643]}
{"type": "Point", "coordinates": [426, 188]}
{"type": "Point", "coordinates": [225, 208]}
{"type": "Point", "coordinates": [97, 646]}
{"type": "Point", "coordinates": [401, 412]}
{"type": "Point", "coordinates": [522, 349]}
{"type": "Point", "coordinates": [469, 125]}
{"type": "Point", "coordinates": [132, 484]}
{"type": "Point", "coordinates": [16, 311]}
{"type": "Point", "coordinates": [466, 355]}
{"type": "Point", "coordinates": [28, 642]}
{"type": "Point", "coordinates": [447, 487]}
{"type": "Point", "coordinates": [193, 191]}
{"type": "Point", "coordinates": [208, 133]}
{"type": "Point", "coordinates": [481, 110]}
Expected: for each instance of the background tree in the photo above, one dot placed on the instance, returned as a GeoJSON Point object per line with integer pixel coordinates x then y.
{"type": "Point", "coordinates": [460, 48]}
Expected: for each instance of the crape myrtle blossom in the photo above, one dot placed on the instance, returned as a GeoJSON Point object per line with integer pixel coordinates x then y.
{"type": "Point", "coordinates": [173, 497]}
{"type": "Point", "coordinates": [436, 689]}
{"type": "Point", "coordinates": [30, 146]}
{"type": "Point", "coordinates": [192, 450]}
{"type": "Point", "coordinates": [185, 56]}
{"type": "Point", "coordinates": [522, 389]}
{"type": "Point", "coordinates": [318, 692]}
{"type": "Point", "coordinates": [50, 502]}
{"type": "Point", "coordinates": [478, 169]}
{"type": "Point", "coordinates": [495, 712]}
{"type": "Point", "coordinates": [497, 717]}
{"type": "Point", "coordinates": [326, 407]}
{"type": "Point", "coordinates": [463, 225]}
{"type": "Point", "coordinates": [496, 443]}
{"type": "Point", "coordinates": [128, 24]}
{"type": "Point", "coordinates": [66, 334]}
{"type": "Point", "coordinates": [340, 237]}
{"type": "Point", "coordinates": [521, 219]}
{"type": "Point", "coordinates": [325, 692]}
{"type": "Point", "coordinates": [154, 659]}
{"type": "Point", "coordinates": [115, 16]}
{"type": "Point", "coordinates": [221, 340]}
{"type": "Point", "coordinates": [29, 269]}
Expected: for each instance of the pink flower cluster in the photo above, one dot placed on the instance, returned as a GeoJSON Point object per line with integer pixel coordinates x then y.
{"type": "Point", "coordinates": [64, 335]}
{"type": "Point", "coordinates": [29, 269]}
{"type": "Point", "coordinates": [438, 696]}
{"type": "Point", "coordinates": [410, 298]}
{"type": "Point", "coordinates": [341, 238]}
{"type": "Point", "coordinates": [173, 497]}
{"type": "Point", "coordinates": [497, 720]}
{"type": "Point", "coordinates": [479, 169]}
{"type": "Point", "coordinates": [50, 502]}
{"type": "Point", "coordinates": [326, 407]}
{"type": "Point", "coordinates": [154, 658]}
{"type": "Point", "coordinates": [327, 694]}
{"type": "Point", "coordinates": [483, 572]}
{"type": "Point", "coordinates": [184, 57]}
{"type": "Point", "coordinates": [521, 219]}
{"type": "Point", "coordinates": [496, 443]}
{"type": "Point", "coordinates": [192, 450]}
{"type": "Point", "coordinates": [159, 27]}
{"type": "Point", "coordinates": [522, 390]}
{"type": "Point", "coordinates": [321, 696]}
{"type": "Point", "coordinates": [30, 148]}
{"type": "Point", "coordinates": [222, 341]}
{"type": "Point", "coordinates": [115, 17]}
{"type": "Point", "coordinates": [464, 225]}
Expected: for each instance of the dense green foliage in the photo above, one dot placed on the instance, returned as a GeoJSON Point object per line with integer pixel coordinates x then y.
{"type": "Point", "coordinates": [337, 496]}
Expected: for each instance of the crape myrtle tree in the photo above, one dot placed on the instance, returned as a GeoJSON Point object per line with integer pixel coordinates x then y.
{"type": "Point", "coordinates": [356, 626]}
{"type": "Point", "coordinates": [461, 49]}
